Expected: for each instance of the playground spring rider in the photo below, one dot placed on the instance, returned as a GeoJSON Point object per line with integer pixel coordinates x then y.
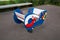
{"type": "Point", "coordinates": [33, 17]}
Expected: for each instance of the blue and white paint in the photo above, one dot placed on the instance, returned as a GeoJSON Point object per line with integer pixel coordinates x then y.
{"type": "Point", "coordinates": [33, 17]}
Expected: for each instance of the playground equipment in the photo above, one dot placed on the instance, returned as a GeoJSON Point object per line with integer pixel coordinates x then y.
{"type": "Point", "coordinates": [33, 17]}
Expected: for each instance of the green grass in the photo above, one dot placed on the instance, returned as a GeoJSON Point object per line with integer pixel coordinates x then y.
{"type": "Point", "coordinates": [35, 2]}
{"type": "Point", "coordinates": [6, 2]}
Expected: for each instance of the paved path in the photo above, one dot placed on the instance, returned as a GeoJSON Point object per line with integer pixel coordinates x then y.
{"type": "Point", "coordinates": [50, 30]}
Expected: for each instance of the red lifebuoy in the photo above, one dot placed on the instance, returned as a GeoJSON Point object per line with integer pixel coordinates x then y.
{"type": "Point", "coordinates": [32, 23]}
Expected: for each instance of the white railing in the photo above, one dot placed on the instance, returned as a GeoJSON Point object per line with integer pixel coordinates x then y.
{"type": "Point", "coordinates": [14, 5]}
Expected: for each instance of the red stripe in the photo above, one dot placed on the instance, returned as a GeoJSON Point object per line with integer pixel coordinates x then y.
{"type": "Point", "coordinates": [20, 17]}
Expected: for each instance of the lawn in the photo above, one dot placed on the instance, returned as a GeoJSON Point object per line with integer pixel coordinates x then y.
{"type": "Point", "coordinates": [35, 2]}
